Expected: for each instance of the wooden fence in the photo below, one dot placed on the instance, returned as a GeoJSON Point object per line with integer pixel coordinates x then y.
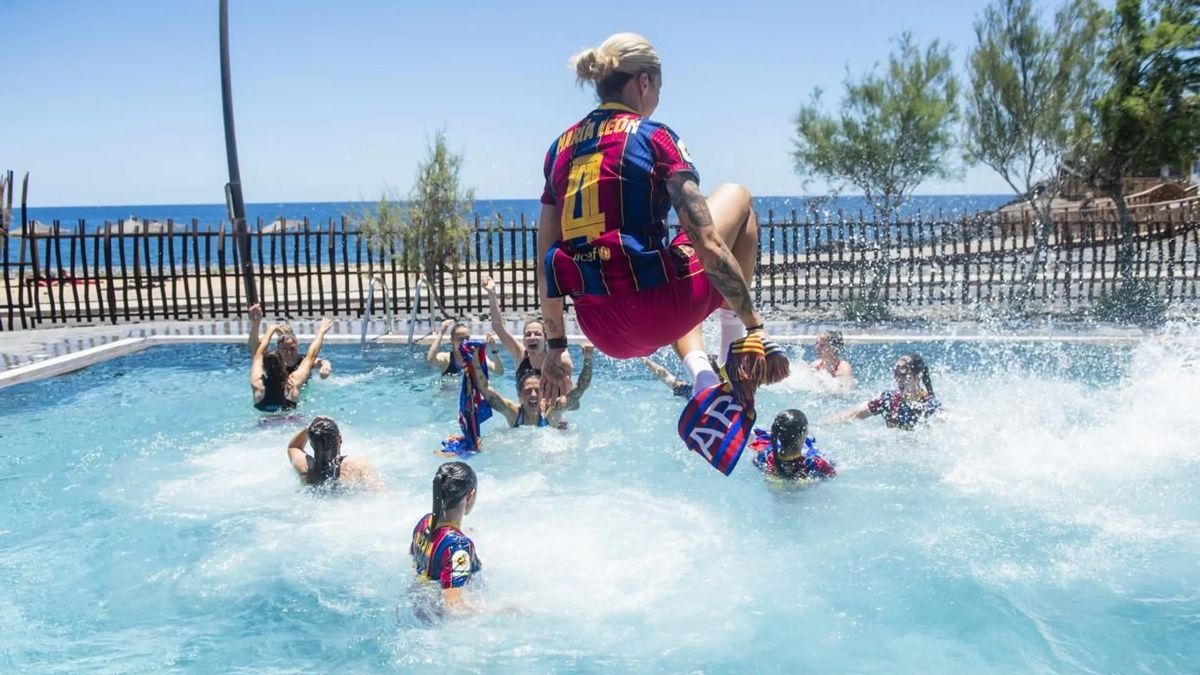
{"type": "Point", "coordinates": [77, 273]}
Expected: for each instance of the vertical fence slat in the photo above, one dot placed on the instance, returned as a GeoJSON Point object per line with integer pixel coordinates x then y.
{"type": "Point", "coordinates": [479, 258]}
{"type": "Point", "coordinates": [511, 263]}
{"type": "Point", "coordinates": [124, 270]}
{"type": "Point", "coordinates": [277, 307]}
{"type": "Point", "coordinates": [108, 272]}
{"type": "Point", "coordinates": [308, 269]}
{"type": "Point", "coordinates": [89, 279]}
{"type": "Point", "coordinates": [208, 271]}
{"type": "Point", "coordinates": [347, 305]}
{"type": "Point", "coordinates": [162, 278]}
{"type": "Point", "coordinates": [54, 274]}
{"type": "Point", "coordinates": [183, 269]}
{"type": "Point", "coordinates": [295, 273]}
{"type": "Point", "coordinates": [362, 298]}
{"type": "Point", "coordinates": [525, 265]}
{"type": "Point", "coordinates": [199, 276]}
{"type": "Point", "coordinates": [72, 279]}
{"type": "Point", "coordinates": [222, 268]}
{"type": "Point", "coordinates": [148, 277]}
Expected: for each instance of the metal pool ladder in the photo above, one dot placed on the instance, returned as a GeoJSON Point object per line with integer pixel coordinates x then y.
{"type": "Point", "coordinates": [415, 306]}
{"type": "Point", "coordinates": [388, 309]}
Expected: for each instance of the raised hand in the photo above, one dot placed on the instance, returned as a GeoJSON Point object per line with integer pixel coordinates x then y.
{"type": "Point", "coordinates": [556, 375]}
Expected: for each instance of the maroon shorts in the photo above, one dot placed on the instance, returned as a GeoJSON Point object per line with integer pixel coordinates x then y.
{"type": "Point", "coordinates": [638, 324]}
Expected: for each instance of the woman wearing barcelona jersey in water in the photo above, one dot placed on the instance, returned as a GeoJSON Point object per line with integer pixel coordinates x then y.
{"type": "Point", "coordinates": [611, 178]}
{"type": "Point", "coordinates": [911, 402]}
{"type": "Point", "coordinates": [441, 553]}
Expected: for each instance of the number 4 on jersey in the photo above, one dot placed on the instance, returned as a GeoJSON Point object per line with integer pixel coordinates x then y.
{"type": "Point", "coordinates": [581, 213]}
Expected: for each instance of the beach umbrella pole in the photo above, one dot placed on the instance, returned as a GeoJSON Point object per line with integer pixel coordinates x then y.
{"type": "Point", "coordinates": [233, 189]}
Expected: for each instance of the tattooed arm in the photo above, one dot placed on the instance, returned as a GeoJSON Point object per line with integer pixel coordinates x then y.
{"type": "Point", "coordinates": [716, 258]}
{"type": "Point", "coordinates": [499, 403]}
{"type": "Point", "coordinates": [556, 370]}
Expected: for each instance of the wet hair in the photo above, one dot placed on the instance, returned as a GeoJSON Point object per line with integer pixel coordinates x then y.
{"type": "Point", "coordinates": [275, 376]}
{"type": "Point", "coordinates": [536, 319]}
{"type": "Point", "coordinates": [788, 432]}
{"type": "Point", "coordinates": [284, 331]}
{"type": "Point", "coordinates": [451, 484]}
{"type": "Point", "coordinates": [323, 435]}
{"type": "Point", "coordinates": [533, 372]}
{"type": "Point", "coordinates": [617, 60]}
{"type": "Point", "coordinates": [834, 339]}
{"type": "Point", "coordinates": [917, 364]}
{"type": "Point", "coordinates": [457, 326]}
{"type": "Point", "coordinates": [790, 429]}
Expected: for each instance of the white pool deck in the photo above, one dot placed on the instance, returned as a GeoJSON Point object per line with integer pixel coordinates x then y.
{"type": "Point", "coordinates": [36, 354]}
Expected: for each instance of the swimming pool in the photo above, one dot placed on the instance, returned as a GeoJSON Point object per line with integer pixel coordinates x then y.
{"type": "Point", "coordinates": [1050, 522]}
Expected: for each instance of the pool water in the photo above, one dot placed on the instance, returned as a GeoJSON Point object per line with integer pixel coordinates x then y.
{"type": "Point", "coordinates": [1049, 522]}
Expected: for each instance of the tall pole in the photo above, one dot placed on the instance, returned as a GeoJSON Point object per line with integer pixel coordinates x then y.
{"type": "Point", "coordinates": [233, 189]}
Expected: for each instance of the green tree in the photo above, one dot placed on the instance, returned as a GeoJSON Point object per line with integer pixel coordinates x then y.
{"type": "Point", "coordinates": [1147, 116]}
{"type": "Point", "coordinates": [894, 131]}
{"type": "Point", "coordinates": [1029, 85]}
{"type": "Point", "coordinates": [431, 229]}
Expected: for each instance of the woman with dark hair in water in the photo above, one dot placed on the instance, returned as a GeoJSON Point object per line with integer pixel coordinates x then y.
{"type": "Point", "coordinates": [788, 451]}
{"type": "Point", "coordinates": [910, 402]}
{"type": "Point", "coordinates": [286, 344]}
{"type": "Point", "coordinates": [530, 353]}
{"type": "Point", "coordinates": [529, 408]}
{"type": "Point", "coordinates": [451, 363]}
{"type": "Point", "coordinates": [439, 549]}
{"type": "Point", "coordinates": [327, 466]}
{"type": "Point", "coordinates": [274, 386]}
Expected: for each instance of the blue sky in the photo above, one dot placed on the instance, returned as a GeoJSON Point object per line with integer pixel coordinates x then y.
{"type": "Point", "coordinates": [119, 102]}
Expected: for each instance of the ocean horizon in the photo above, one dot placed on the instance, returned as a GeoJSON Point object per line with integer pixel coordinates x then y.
{"type": "Point", "coordinates": [509, 210]}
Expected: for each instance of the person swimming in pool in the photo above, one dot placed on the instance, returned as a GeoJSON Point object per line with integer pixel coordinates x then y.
{"type": "Point", "coordinates": [286, 344]}
{"type": "Point", "coordinates": [440, 552]}
{"type": "Point", "coordinates": [530, 408]}
{"type": "Point", "coordinates": [451, 363]}
{"type": "Point", "coordinates": [327, 466]}
{"type": "Point", "coordinates": [610, 180]}
{"type": "Point", "coordinates": [273, 386]}
{"type": "Point", "coordinates": [829, 360]}
{"type": "Point", "coordinates": [530, 353]}
{"type": "Point", "coordinates": [909, 403]}
{"type": "Point", "coordinates": [788, 451]}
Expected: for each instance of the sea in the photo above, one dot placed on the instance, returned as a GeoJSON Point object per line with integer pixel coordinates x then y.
{"type": "Point", "coordinates": [495, 243]}
{"type": "Point", "coordinates": [506, 210]}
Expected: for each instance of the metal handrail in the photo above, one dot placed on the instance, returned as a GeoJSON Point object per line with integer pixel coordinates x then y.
{"type": "Point", "coordinates": [388, 309]}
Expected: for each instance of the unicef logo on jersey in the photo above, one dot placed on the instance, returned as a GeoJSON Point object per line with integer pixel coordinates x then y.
{"type": "Point", "coordinates": [683, 152]}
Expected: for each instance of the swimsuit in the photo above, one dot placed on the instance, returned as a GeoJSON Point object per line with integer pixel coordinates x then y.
{"type": "Point", "coordinates": [541, 420]}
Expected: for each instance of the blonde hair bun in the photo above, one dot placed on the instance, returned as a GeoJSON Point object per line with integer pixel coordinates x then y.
{"type": "Point", "coordinates": [627, 53]}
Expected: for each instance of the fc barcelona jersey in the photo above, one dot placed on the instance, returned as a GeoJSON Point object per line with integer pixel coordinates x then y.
{"type": "Point", "coordinates": [608, 174]}
{"type": "Point", "coordinates": [446, 555]}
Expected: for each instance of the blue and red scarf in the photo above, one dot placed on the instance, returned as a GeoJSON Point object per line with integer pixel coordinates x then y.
{"type": "Point", "coordinates": [719, 419]}
{"type": "Point", "coordinates": [473, 408]}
